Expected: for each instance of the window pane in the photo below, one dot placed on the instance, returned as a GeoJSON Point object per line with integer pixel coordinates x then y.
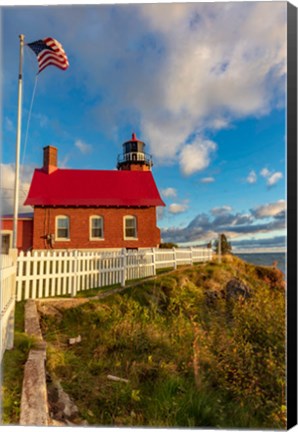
{"type": "Point", "coordinates": [63, 223]}
{"type": "Point", "coordinates": [130, 223]}
{"type": "Point", "coordinates": [130, 232]}
{"type": "Point", "coordinates": [62, 232]}
{"type": "Point", "coordinates": [96, 228]}
{"type": "Point", "coordinates": [63, 227]}
{"type": "Point", "coordinates": [96, 223]}
{"type": "Point", "coordinates": [130, 227]}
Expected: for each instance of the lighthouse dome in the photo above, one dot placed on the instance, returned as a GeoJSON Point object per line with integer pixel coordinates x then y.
{"type": "Point", "coordinates": [134, 156]}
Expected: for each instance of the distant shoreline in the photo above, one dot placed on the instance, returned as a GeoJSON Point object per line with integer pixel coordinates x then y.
{"type": "Point", "coordinates": [258, 252]}
{"type": "Point", "coordinates": [264, 258]}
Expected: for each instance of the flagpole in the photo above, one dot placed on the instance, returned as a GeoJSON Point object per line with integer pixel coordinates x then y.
{"type": "Point", "coordinates": [18, 140]}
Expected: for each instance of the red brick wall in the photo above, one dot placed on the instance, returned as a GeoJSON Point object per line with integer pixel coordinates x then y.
{"type": "Point", "coordinates": [130, 166]}
{"type": "Point", "coordinates": [25, 232]}
{"type": "Point", "coordinates": [44, 223]}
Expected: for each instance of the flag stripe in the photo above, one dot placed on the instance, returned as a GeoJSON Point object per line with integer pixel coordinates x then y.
{"type": "Point", "coordinates": [53, 63]}
{"type": "Point", "coordinates": [48, 55]}
{"type": "Point", "coordinates": [49, 52]}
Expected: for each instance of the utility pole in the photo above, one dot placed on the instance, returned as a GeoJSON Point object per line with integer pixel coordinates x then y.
{"type": "Point", "coordinates": [18, 142]}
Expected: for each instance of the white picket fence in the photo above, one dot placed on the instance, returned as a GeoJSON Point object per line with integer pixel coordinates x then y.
{"type": "Point", "coordinates": [8, 267]}
{"type": "Point", "coordinates": [54, 273]}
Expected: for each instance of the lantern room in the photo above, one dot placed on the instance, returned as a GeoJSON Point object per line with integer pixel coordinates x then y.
{"type": "Point", "coordinates": [134, 157]}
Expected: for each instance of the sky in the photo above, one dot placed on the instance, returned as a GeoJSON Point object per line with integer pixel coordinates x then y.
{"type": "Point", "coordinates": [202, 84]}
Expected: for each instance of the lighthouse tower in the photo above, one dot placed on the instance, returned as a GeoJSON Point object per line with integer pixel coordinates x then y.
{"type": "Point", "coordinates": [134, 157]}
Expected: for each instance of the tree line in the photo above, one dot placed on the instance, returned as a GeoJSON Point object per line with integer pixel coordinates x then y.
{"type": "Point", "coordinates": [225, 245]}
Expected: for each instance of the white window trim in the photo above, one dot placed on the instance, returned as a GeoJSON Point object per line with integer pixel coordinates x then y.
{"type": "Point", "coordinates": [62, 239]}
{"type": "Point", "coordinates": [124, 227]}
{"type": "Point", "coordinates": [90, 228]}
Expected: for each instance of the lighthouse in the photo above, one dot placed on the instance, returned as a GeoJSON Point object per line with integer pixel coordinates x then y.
{"type": "Point", "coordinates": [134, 157]}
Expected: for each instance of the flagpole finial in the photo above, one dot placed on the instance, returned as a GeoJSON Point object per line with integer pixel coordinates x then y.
{"type": "Point", "coordinates": [22, 37]}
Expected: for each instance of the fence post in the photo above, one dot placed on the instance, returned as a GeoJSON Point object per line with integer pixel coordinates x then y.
{"type": "Point", "coordinates": [219, 248]}
{"type": "Point", "coordinates": [153, 261]}
{"type": "Point", "coordinates": [174, 258]}
{"type": "Point", "coordinates": [123, 276]}
{"type": "Point", "coordinates": [75, 270]}
{"type": "Point", "coordinates": [19, 274]}
{"type": "Point", "coordinates": [11, 321]}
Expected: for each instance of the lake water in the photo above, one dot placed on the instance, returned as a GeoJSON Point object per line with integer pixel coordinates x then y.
{"type": "Point", "coordinates": [266, 259]}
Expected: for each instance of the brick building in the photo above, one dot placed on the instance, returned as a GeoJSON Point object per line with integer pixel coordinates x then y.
{"type": "Point", "coordinates": [25, 232]}
{"type": "Point", "coordinates": [95, 209]}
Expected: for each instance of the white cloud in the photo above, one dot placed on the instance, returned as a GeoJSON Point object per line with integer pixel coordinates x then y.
{"type": "Point", "coordinates": [43, 120]}
{"type": "Point", "coordinates": [195, 157]}
{"type": "Point", "coordinates": [218, 211]}
{"type": "Point", "coordinates": [203, 63]}
{"type": "Point", "coordinates": [169, 192]}
{"type": "Point", "coordinates": [271, 177]}
{"type": "Point", "coordinates": [7, 187]}
{"type": "Point", "coordinates": [177, 208]}
{"type": "Point", "coordinates": [83, 147]}
{"type": "Point", "coordinates": [269, 210]}
{"type": "Point", "coordinates": [219, 123]}
{"type": "Point", "coordinates": [252, 177]}
{"type": "Point", "coordinates": [274, 178]}
{"type": "Point", "coordinates": [171, 70]}
{"type": "Point", "coordinates": [207, 180]}
{"type": "Point", "coordinates": [9, 124]}
{"type": "Point", "coordinates": [265, 172]}
{"type": "Point", "coordinates": [160, 212]}
{"type": "Point", "coordinates": [222, 220]}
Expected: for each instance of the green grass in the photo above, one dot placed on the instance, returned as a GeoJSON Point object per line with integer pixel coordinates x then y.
{"type": "Point", "coordinates": [189, 362]}
{"type": "Point", "coordinates": [12, 370]}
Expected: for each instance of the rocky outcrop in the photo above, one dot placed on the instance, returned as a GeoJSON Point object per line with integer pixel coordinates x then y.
{"type": "Point", "coordinates": [62, 409]}
{"type": "Point", "coordinates": [236, 288]}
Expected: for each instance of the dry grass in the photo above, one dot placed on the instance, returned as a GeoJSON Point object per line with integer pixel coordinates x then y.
{"type": "Point", "coordinates": [190, 362]}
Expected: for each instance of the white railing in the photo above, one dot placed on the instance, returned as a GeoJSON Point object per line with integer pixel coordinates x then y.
{"type": "Point", "coordinates": [53, 273]}
{"type": "Point", "coordinates": [8, 268]}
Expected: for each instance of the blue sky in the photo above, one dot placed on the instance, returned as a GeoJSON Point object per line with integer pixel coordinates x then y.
{"type": "Point", "coordinates": [203, 84]}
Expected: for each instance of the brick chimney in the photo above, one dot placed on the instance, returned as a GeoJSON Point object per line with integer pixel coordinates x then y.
{"type": "Point", "coordinates": [50, 159]}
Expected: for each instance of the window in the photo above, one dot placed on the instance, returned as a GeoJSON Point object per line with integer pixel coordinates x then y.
{"type": "Point", "coordinates": [96, 228]}
{"type": "Point", "coordinates": [130, 227]}
{"type": "Point", "coordinates": [6, 241]}
{"type": "Point", "coordinates": [62, 228]}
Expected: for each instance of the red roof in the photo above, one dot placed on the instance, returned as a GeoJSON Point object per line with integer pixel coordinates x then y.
{"type": "Point", "coordinates": [71, 187]}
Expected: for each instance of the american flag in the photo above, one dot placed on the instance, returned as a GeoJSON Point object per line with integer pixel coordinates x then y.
{"type": "Point", "coordinates": [49, 52]}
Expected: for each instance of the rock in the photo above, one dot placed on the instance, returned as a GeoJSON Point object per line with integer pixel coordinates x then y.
{"type": "Point", "coordinates": [115, 378]}
{"type": "Point", "coordinates": [53, 422]}
{"type": "Point", "coordinates": [235, 288]}
{"type": "Point", "coordinates": [212, 296]}
{"type": "Point", "coordinates": [75, 340]}
{"type": "Point", "coordinates": [61, 406]}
